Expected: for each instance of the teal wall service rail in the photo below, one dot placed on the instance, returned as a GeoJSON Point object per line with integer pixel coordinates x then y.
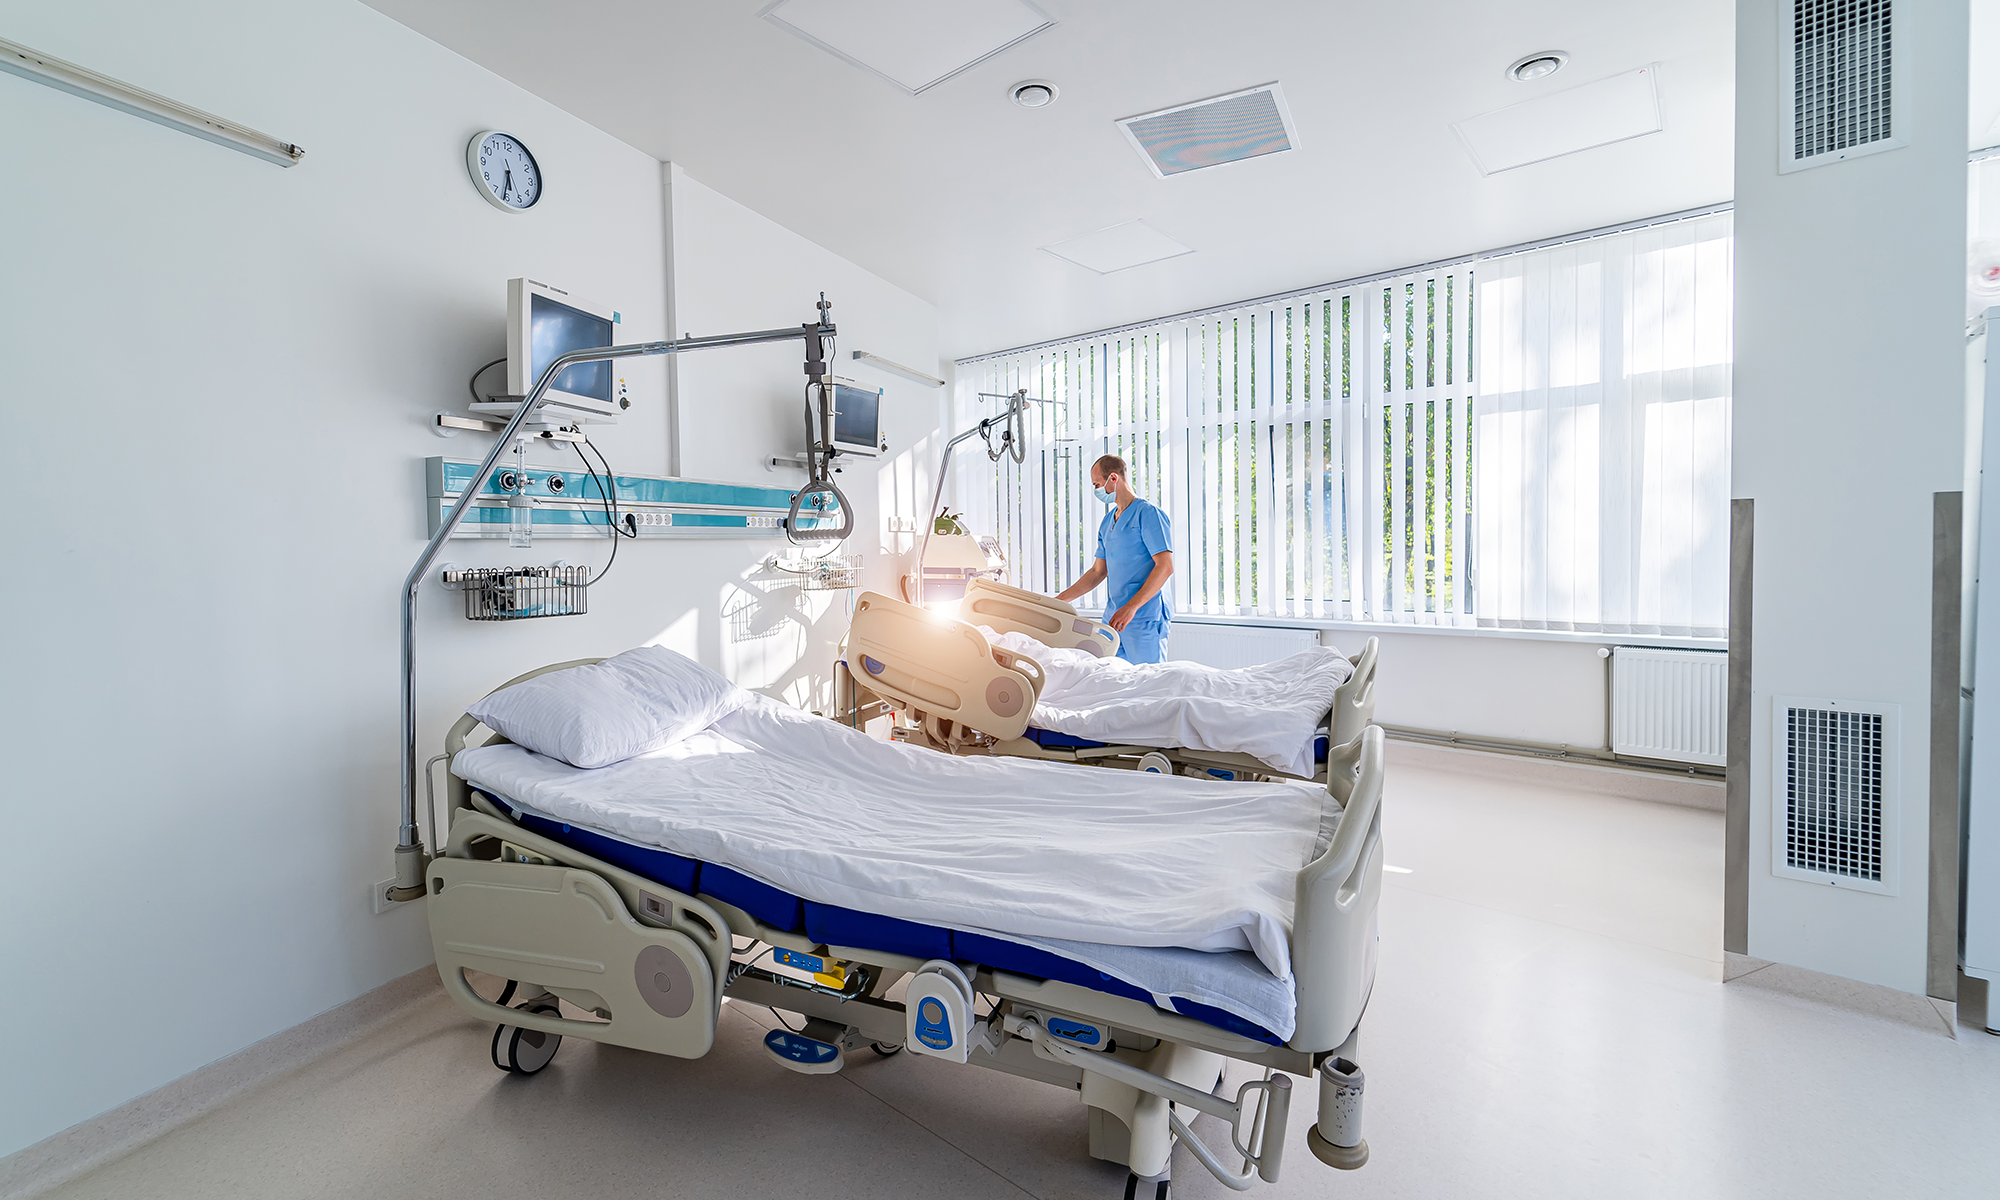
{"type": "Point", "coordinates": [570, 504]}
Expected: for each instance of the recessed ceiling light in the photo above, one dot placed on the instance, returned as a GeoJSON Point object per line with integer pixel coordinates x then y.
{"type": "Point", "coordinates": [1034, 93]}
{"type": "Point", "coordinates": [1118, 248]}
{"type": "Point", "coordinates": [1610, 110]}
{"type": "Point", "coordinates": [1539, 65]}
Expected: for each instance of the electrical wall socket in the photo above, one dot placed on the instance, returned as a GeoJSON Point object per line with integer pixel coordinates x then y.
{"type": "Point", "coordinates": [380, 897]}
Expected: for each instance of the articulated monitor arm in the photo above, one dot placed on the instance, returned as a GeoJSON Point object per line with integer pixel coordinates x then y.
{"type": "Point", "coordinates": [411, 858]}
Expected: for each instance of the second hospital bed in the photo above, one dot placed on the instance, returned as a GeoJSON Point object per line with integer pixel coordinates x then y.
{"type": "Point", "coordinates": [1038, 681]}
{"type": "Point", "coordinates": [1220, 921]}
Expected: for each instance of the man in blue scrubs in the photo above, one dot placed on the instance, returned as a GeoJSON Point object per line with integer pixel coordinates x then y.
{"type": "Point", "coordinates": [1135, 554]}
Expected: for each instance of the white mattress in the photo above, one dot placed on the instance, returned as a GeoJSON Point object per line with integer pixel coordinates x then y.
{"type": "Point", "coordinates": [1089, 864]}
{"type": "Point", "coordinates": [1269, 712]}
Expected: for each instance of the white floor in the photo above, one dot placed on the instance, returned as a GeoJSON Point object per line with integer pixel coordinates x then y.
{"type": "Point", "coordinates": [1548, 1022]}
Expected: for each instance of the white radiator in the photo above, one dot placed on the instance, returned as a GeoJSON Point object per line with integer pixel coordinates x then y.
{"type": "Point", "coordinates": [1232, 646]}
{"type": "Point", "coordinates": [1669, 704]}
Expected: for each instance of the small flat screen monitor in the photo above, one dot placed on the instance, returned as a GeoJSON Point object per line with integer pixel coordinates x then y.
{"type": "Point", "coordinates": [857, 418]}
{"type": "Point", "coordinates": [544, 323]}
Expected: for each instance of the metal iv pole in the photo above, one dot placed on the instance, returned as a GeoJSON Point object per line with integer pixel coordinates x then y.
{"type": "Point", "coordinates": [411, 857]}
{"type": "Point", "coordinates": [1013, 440]}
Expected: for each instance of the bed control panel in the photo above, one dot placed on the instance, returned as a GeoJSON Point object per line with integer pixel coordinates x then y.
{"type": "Point", "coordinates": [1086, 1035]}
{"type": "Point", "coordinates": [829, 971]}
{"type": "Point", "coordinates": [938, 1011]}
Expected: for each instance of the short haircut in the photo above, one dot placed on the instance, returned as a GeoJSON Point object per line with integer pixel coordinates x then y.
{"type": "Point", "coordinates": [1111, 465]}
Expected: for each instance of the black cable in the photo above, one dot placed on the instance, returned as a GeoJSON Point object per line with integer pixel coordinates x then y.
{"type": "Point", "coordinates": [471, 385]}
{"type": "Point", "coordinates": [607, 489]}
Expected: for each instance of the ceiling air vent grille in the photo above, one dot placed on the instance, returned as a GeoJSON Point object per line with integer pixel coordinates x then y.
{"type": "Point", "coordinates": [1833, 810]}
{"type": "Point", "coordinates": [1840, 60]}
{"type": "Point", "coordinates": [1209, 133]}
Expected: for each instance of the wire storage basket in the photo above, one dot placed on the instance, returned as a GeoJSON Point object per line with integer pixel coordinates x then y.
{"type": "Point", "coordinates": [829, 574]}
{"type": "Point", "coordinates": [519, 593]}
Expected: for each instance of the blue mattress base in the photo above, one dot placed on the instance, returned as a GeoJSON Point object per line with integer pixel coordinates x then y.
{"type": "Point", "coordinates": [837, 926]}
{"type": "Point", "coordinates": [1049, 739]}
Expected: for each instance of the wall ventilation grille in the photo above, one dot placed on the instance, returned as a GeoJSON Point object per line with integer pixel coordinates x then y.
{"type": "Point", "coordinates": [1833, 803]}
{"type": "Point", "coordinates": [1841, 63]}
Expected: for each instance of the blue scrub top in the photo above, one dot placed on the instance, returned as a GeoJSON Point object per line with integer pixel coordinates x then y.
{"type": "Point", "coordinates": [1127, 543]}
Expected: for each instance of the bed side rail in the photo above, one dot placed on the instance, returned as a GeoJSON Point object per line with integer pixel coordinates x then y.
{"type": "Point", "coordinates": [1048, 620]}
{"type": "Point", "coordinates": [944, 669]}
{"type": "Point", "coordinates": [1354, 701]}
{"type": "Point", "coordinates": [1333, 924]}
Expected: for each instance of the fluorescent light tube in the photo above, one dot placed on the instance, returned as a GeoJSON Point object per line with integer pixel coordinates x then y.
{"type": "Point", "coordinates": [896, 368]}
{"type": "Point", "coordinates": [17, 59]}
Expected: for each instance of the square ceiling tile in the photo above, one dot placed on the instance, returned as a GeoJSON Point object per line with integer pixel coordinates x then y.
{"type": "Point", "coordinates": [914, 44]}
{"type": "Point", "coordinates": [1596, 114]}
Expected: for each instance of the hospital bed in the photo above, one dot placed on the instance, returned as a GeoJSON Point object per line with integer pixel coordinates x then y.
{"type": "Point", "coordinates": [958, 691]}
{"type": "Point", "coordinates": [615, 939]}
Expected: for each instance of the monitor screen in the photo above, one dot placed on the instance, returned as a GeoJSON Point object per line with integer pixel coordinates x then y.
{"type": "Point", "coordinates": [555, 329]}
{"type": "Point", "coordinates": [856, 416]}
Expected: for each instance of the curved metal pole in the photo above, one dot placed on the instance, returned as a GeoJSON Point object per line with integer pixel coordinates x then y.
{"type": "Point", "coordinates": [410, 855]}
{"type": "Point", "coordinates": [1017, 400]}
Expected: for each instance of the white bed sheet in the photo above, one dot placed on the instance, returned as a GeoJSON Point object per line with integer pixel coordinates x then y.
{"type": "Point", "coordinates": [1269, 712]}
{"type": "Point", "coordinates": [1040, 853]}
{"type": "Point", "coordinates": [1231, 980]}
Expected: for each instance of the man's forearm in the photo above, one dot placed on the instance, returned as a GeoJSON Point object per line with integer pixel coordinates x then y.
{"type": "Point", "coordinates": [1084, 584]}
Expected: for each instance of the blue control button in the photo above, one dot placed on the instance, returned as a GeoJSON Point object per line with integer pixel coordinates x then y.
{"type": "Point", "coordinates": [932, 1028]}
{"type": "Point", "coordinates": [799, 1048]}
{"type": "Point", "coordinates": [1073, 1031]}
{"type": "Point", "coordinates": [870, 665]}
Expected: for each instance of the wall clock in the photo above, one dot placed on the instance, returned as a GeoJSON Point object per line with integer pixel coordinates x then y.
{"type": "Point", "coordinates": [504, 171]}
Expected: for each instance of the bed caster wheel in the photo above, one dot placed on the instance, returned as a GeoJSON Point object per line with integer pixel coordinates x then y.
{"type": "Point", "coordinates": [1155, 763]}
{"type": "Point", "coordinates": [525, 1051]}
{"type": "Point", "coordinates": [1147, 1189]}
{"type": "Point", "coordinates": [884, 1049]}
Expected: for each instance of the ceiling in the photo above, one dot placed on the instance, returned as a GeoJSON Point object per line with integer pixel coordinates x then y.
{"type": "Point", "coordinates": [950, 194]}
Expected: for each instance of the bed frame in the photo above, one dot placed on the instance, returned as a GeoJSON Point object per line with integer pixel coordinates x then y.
{"type": "Point", "coordinates": [647, 967]}
{"type": "Point", "coordinates": [937, 673]}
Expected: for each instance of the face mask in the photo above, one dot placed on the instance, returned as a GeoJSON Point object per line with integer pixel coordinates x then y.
{"type": "Point", "coordinates": [1104, 496]}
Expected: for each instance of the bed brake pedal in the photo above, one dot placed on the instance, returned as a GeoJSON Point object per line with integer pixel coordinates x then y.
{"type": "Point", "coordinates": [815, 1050]}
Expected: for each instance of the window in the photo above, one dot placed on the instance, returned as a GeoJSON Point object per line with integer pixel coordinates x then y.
{"type": "Point", "coordinates": [1531, 441]}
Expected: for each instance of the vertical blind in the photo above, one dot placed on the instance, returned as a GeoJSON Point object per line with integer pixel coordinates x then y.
{"type": "Point", "coordinates": [1343, 454]}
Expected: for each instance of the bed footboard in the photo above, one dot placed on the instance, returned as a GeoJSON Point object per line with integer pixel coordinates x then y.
{"type": "Point", "coordinates": [1333, 927]}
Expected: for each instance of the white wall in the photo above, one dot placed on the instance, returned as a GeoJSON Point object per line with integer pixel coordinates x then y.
{"type": "Point", "coordinates": [1848, 417]}
{"type": "Point", "coordinates": [220, 375]}
{"type": "Point", "coordinates": [734, 269]}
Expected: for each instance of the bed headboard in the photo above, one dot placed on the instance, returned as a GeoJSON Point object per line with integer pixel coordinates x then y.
{"type": "Point", "coordinates": [1049, 621]}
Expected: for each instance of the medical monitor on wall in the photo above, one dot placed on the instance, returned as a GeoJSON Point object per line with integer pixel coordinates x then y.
{"type": "Point", "coordinates": [544, 323]}
{"type": "Point", "coordinates": [857, 418]}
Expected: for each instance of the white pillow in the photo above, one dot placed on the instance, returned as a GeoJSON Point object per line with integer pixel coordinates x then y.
{"type": "Point", "coordinates": [603, 713]}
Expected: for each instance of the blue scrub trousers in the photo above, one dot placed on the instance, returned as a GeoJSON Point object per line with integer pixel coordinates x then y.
{"type": "Point", "coordinates": [1143, 643]}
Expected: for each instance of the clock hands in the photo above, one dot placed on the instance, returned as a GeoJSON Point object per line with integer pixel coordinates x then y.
{"type": "Point", "coordinates": [508, 185]}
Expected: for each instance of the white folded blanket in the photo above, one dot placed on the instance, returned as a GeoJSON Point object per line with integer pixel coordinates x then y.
{"type": "Point", "coordinates": [1269, 712]}
{"type": "Point", "coordinates": [1002, 845]}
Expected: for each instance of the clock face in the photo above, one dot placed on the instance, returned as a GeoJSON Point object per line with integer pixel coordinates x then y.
{"type": "Point", "coordinates": [504, 171]}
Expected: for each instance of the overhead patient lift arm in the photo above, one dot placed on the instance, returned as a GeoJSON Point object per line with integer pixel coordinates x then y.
{"type": "Point", "coordinates": [410, 853]}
